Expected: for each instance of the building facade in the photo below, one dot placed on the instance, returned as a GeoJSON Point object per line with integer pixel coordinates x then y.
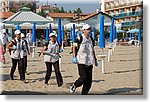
{"type": "Point", "coordinates": [128, 13]}
{"type": "Point", "coordinates": [15, 5]}
{"type": "Point", "coordinates": [4, 6]}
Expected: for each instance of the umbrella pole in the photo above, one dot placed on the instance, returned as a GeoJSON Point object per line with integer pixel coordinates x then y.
{"type": "Point", "coordinates": [103, 66]}
{"type": "Point", "coordinates": [33, 49]}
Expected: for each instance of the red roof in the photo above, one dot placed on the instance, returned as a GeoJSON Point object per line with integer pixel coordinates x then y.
{"type": "Point", "coordinates": [63, 15]}
{"type": "Point", "coordinates": [86, 17]}
{"type": "Point", "coordinates": [5, 15]}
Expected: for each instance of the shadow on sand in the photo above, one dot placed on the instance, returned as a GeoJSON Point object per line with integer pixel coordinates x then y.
{"type": "Point", "coordinates": [22, 93]}
{"type": "Point", "coordinates": [125, 91]}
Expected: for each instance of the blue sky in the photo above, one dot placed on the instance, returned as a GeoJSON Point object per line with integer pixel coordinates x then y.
{"type": "Point", "coordinates": [87, 6]}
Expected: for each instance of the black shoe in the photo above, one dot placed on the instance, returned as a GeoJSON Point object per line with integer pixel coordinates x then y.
{"type": "Point", "coordinates": [72, 88]}
{"type": "Point", "coordinates": [60, 85]}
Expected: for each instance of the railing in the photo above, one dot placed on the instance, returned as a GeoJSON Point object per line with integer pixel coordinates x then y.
{"type": "Point", "coordinates": [122, 15]}
{"type": "Point", "coordinates": [132, 23]}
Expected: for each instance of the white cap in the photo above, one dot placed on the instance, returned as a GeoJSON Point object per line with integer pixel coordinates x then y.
{"type": "Point", "coordinates": [52, 34]}
{"type": "Point", "coordinates": [22, 35]}
{"type": "Point", "coordinates": [17, 32]}
{"type": "Point", "coordinates": [85, 27]}
{"type": "Point", "coordinates": [4, 30]}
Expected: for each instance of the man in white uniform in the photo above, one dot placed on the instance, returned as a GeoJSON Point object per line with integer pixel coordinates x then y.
{"type": "Point", "coordinates": [85, 59]}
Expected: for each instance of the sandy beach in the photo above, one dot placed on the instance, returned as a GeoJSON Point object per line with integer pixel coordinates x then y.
{"type": "Point", "coordinates": [123, 74]}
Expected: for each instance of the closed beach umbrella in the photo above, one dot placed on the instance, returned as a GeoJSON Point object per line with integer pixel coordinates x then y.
{"type": "Point", "coordinates": [63, 33]}
{"type": "Point", "coordinates": [59, 32]}
{"type": "Point", "coordinates": [114, 33]}
{"type": "Point", "coordinates": [18, 27]}
{"type": "Point", "coordinates": [91, 32]}
{"type": "Point", "coordinates": [111, 30]}
{"type": "Point", "coordinates": [94, 34]}
{"type": "Point", "coordinates": [50, 28]}
{"type": "Point", "coordinates": [73, 33]}
{"type": "Point", "coordinates": [102, 36]}
{"type": "Point", "coordinates": [139, 34]}
{"type": "Point", "coordinates": [34, 33]}
{"type": "Point", "coordinates": [47, 34]}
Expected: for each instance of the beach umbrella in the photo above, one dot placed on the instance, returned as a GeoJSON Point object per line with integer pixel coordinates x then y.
{"type": "Point", "coordinates": [63, 33]}
{"type": "Point", "coordinates": [50, 28]}
{"type": "Point", "coordinates": [59, 32]}
{"type": "Point", "coordinates": [94, 34]}
{"type": "Point", "coordinates": [139, 34]}
{"type": "Point", "coordinates": [34, 33]}
{"type": "Point", "coordinates": [18, 27]}
{"type": "Point", "coordinates": [102, 42]}
{"type": "Point", "coordinates": [111, 30]}
{"type": "Point", "coordinates": [91, 32]}
{"type": "Point", "coordinates": [47, 34]}
{"type": "Point", "coordinates": [102, 35]}
{"type": "Point", "coordinates": [114, 33]}
{"type": "Point", "coordinates": [73, 33]}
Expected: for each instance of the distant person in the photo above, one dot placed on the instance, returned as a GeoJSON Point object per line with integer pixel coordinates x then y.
{"type": "Point", "coordinates": [85, 58]}
{"type": "Point", "coordinates": [29, 39]}
{"type": "Point", "coordinates": [16, 48]}
{"type": "Point", "coordinates": [26, 51]}
{"type": "Point", "coordinates": [4, 41]}
{"type": "Point", "coordinates": [51, 52]}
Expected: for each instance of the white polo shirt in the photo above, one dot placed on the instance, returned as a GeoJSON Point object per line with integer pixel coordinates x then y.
{"type": "Point", "coordinates": [85, 54]}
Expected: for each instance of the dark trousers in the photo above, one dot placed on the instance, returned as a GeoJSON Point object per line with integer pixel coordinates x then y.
{"type": "Point", "coordinates": [20, 68]}
{"type": "Point", "coordinates": [25, 63]}
{"type": "Point", "coordinates": [57, 72]}
{"type": "Point", "coordinates": [85, 79]}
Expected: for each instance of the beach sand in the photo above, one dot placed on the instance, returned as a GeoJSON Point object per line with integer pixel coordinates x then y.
{"type": "Point", "coordinates": [123, 74]}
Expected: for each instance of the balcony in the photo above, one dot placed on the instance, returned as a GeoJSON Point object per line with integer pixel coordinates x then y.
{"type": "Point", "coordinates": [123, 15]}
{"type": "Point", "coordinates": [132, 23]}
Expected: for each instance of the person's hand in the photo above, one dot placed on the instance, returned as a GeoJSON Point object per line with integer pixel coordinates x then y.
{"type": "Point", "coordinates": [96, 63]}
{"type": "Point", "coordinates": [61, 50]}
{"type": "Point", "coordinates": [74, 60]}
{"type": "Point", "coordinates": [14, 47]}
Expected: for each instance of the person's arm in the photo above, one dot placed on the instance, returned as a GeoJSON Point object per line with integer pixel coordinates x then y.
{"type": "Point", "coordinates": [10, 46]}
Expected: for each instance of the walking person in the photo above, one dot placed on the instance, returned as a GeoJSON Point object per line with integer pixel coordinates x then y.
{"type": "Point", "coordinates": [4, 41]}
{"type": "Point", "coordinates": [51, 52]}
{"type": "Point", "coordinates": [85, 58]}
{"type": "Point", "coordinates": [26, 51]}
{"type": "Point", "coordinates": [16, 48]}
{"type": "Point", "coordinates": [29, 40]}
